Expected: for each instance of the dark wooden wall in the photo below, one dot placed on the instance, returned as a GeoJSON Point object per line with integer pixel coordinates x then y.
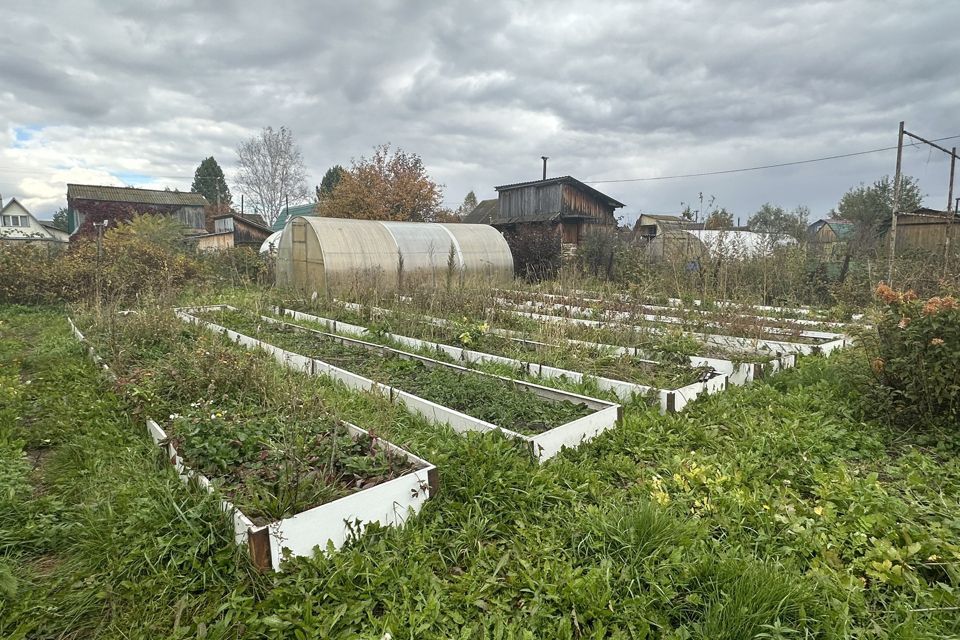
{"type": "Point", "coordinates": [578, 203]}
{"type": "Point", "coordinates": [532, 202]}
{"type": "Point", "coordinates": [89, 211]}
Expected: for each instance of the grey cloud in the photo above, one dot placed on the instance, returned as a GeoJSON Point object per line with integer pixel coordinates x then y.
{"type": "Point", "coordinates": [482, 89]}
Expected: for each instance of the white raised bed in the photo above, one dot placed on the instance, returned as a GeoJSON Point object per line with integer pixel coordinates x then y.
{"type": "Point", "coordinates": [738, 373]}
{"type": "Point", "coordinates": [675, 306]}
{"type": "Point", "coordinates": [388, 503]}
{"type": "Point", "coordinates": [670, 400]}
{"type": "Point", "coordinates": [572, 311]}
{"type": "Point", "coordinates": [736, 343]}
{"type": "Point", "coordinates": [543, 445]}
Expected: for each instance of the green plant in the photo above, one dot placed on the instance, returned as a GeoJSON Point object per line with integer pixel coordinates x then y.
{"type": "Point", "coordinates": [915, 354]}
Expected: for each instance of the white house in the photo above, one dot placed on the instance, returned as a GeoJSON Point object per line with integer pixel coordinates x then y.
{"type": "Point", "coordinates": [17, 223]}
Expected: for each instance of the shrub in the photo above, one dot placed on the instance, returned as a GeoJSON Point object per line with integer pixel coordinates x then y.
{"type": "Point", "coordinates": [916, 355]}
{"type": "Point", "coordinates": [145, 257]}
{"type": "Point", "coordinates": [536, 250]}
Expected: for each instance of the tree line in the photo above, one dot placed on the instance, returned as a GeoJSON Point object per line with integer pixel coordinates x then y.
{"type": "Point", "coordinates": [868, 208]}
{"type": "Point", "coordinates": [389, 184]}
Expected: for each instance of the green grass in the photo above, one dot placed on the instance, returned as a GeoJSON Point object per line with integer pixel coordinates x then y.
{"type": "Point", "coordinates": [773, 511]}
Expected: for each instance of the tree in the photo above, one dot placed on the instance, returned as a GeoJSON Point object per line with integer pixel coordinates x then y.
{"type": "Point", "coordinates": [271, 171]}
{"type": "Point", "coordinates": [331, 179]}
{"type": "Point", "coordinates": [719, 219]}
{"type": "Point", "coordinates": [774, 219]}
{"type": "Point", "coordinates": [209, 182]}
{"type": "Point", "coordinates": [60, 219]}
{"type": "Point", "coordinates": [469, 204]}
{"type": "Point", "coordinates": [390, 185]}
{"type": "Point", "coordinates": [872, 207]}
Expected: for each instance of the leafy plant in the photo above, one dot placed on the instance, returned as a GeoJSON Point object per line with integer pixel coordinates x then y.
{"type": "Point", "coordinates": [915, 354]}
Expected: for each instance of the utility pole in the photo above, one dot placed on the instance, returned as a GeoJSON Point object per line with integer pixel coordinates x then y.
{"type": "Point", "coordinates": [897, 187]}
{"type": "Point", "coordinates": [896, 205]}
{"type": "Point", "coordinates": [951, 212]}
{"type": "Point", "coordinates": [99, 226]}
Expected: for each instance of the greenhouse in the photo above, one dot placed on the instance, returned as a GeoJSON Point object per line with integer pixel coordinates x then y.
{"type": "Point", "coordinates": [332, 254]}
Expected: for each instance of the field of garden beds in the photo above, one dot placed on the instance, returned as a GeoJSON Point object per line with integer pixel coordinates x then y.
{"type": "Point", "coordinates": [487, 398]}
{"type": "Point", "coordinates": [779, 509]}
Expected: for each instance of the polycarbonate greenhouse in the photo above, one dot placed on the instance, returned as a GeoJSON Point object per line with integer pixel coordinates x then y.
{"type": "Point", "coordinates": [334, 254]}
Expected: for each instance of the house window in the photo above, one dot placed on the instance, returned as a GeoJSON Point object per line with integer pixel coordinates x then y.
{"type": "Point", "coordinates": [16, 221]}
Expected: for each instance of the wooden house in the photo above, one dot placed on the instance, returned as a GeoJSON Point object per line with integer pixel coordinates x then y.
{"type": "Point", "coordinates": [572, 206]}
{"type": "Point", "coordinates": [87, 204]}
{"type": "Point", "coordinates": [234, 230]}
{"type": "Point", "coordinates": [829, 236]}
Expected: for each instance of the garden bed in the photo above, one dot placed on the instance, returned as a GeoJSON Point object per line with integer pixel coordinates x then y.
{"type": "Point", "coordinates": [810, 344]}
{"type": "Point", "coordinates": [551, 418]}
{"type": "Point", "coordinates": [292, 482]}
{"type": "Point", "coordinates": [673, 310]}
{"type": "Point", "coordinates": [693, 381]}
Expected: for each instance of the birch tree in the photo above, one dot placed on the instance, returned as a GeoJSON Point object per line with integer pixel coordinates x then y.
{"type": "Point", "coordinates": [271, 172]}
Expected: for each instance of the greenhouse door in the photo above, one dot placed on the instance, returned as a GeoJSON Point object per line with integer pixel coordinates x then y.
{"type": "Point", "coordinates": [307, 268]}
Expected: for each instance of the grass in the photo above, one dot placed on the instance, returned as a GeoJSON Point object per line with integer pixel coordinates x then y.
{"type": "Point", "coordinates": [780, 510]}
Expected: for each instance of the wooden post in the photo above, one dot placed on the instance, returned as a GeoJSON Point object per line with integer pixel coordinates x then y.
{"type": "Point", "coordinates": [896, 205]}
{"type": "Point", "coordinates": [950, 213]}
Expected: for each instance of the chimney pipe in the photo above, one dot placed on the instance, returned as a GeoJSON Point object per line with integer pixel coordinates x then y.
{"type": "Point", "coordinates": [544, 158]}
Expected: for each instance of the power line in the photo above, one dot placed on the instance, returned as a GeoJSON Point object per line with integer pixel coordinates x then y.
{"type": "Point", "coordinates": [758, 168]}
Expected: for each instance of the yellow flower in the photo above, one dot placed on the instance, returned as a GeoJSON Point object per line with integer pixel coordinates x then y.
{"type": "Point", "coordinates": [818, 510]}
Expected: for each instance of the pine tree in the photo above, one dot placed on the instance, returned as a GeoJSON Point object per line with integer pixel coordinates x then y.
{"type": "Point", "coordinates": [209, 182]}
{"type": "Point", "coordinates": [330, 181]}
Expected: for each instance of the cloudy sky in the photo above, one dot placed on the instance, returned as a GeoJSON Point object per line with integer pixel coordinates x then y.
{"type": "Point", "coordinates": [138, 92]}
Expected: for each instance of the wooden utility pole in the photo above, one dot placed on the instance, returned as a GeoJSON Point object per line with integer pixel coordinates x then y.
{"type": "Point", "coordinates": [896, 205]}
{"type": "Point", "coordinates": [951, 212]}
{"type": "Point", "coordinates": [897, 187]}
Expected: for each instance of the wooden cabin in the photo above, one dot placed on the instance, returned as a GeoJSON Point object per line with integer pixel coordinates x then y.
{"type": "Point", "coordinates": [572, 206]}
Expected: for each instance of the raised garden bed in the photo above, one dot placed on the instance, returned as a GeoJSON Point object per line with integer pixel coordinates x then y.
{"type": "Point", "coordinates": [807, 344]}
{"type": "Point", "coordinates": [702, 379]}
{"type": "Point", "coordinates": [673, 310]}
{"type": "Point", "coordinates": [741, 366]}
{"type": "Point", "coordinates": [291, 483]}
{"type": "Point", "coordinates": [552, 418]}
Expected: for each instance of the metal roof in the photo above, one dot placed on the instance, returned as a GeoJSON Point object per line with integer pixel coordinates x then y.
{"type": "Point", "coordinates": [564, 180]}
{"type": "Point", "coordinates": [133, 195]}
{"type": "Point", "coordinates": [309, 209]}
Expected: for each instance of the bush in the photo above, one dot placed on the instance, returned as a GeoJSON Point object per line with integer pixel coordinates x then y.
{"type": "Point", "coordinates": [536, 250]}
{"type": "Point", "coordinates": [916, 355]}
{"type": "Point", "coordinates": [145, 257]}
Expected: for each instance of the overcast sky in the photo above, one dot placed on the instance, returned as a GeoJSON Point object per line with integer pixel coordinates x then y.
{"type": "Point", "coordinates": [119, 93]}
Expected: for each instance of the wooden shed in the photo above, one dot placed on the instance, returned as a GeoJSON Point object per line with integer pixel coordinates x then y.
{"type": "Point", "coordinates": [927, 230]}
{"type": "Point", "coordinates": [566, 202]}
{"type": "Point", "coordinates": [829, 236]}
{"type": "Point", "coordinates": [233, 230]}
{"type": "Point", "coordinates": [87, 204]}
